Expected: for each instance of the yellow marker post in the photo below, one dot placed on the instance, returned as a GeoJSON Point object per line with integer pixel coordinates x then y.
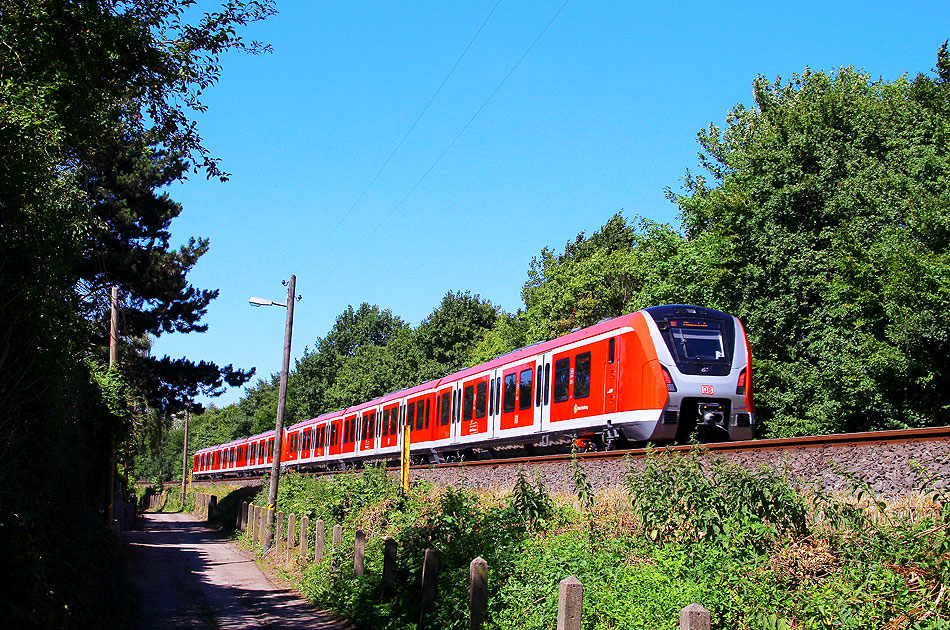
{"type": "Point", "coordinates": [404, 467]}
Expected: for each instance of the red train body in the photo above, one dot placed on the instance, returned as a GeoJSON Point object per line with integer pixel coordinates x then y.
{"type": "Point", "coordinates": [655, 375]}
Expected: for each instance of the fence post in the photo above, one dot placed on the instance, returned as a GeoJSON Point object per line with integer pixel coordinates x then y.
{"type": "Point", "coordinates": [694, 617]}
{"type": "Point", "coordinates": [251, 522]}
{"type": "Point", "coordinates": [278, 524]}
{"type": "Point", "coordinates": [319, 543]}
{"type": "Point", "coordinates": [430, 574]}
{"type": "Point", "coordinates": [304, 536]}
{"type": "Point", "coordinates": [570, 604]}
{"type": "Point", "coordinates": [389, 568]}
{"type": "Point", "coordinates": [261, 523]}
{"type": "Point", "coordinates": [291, 535]}
{"type": "Point", "coordinates": [337, 536]}
{"type": "Point", "coordinates": [477, 593]}
{"type": "Point", "coordinates": [359, 549]}
{"type": "Point", "coordinates": [212, 507]}
{"type": "Point", "coordinates": [242, 516]}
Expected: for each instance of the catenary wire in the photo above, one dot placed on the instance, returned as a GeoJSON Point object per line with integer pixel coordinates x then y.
{"type": "Point", "coordinates": [454, 140]}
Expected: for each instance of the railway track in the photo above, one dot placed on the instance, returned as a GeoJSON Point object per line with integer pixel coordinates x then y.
{"type": "Point", "coordinates": [843, 440]}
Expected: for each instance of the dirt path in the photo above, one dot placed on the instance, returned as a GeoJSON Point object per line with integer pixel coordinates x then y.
{"type": "Point", "coordinates": [189, 576]}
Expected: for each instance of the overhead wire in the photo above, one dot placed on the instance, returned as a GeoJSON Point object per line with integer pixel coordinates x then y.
{"type": "Point", "coordinates": [457, 136]}
{"type": "Point", "coordinates": [408, 132]}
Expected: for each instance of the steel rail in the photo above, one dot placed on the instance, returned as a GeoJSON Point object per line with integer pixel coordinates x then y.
{"type": "Point", "coordinates": [881, 438]}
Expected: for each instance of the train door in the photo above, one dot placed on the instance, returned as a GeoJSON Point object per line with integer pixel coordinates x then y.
{"type": "Point", "coordinates": [442, 420]}
{"type": "Point", "coordinates": [474, 425]}
{"type": "Point", "coordinates": [611, 377]}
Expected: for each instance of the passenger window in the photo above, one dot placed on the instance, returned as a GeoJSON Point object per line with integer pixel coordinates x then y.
{"type": "Point", "coordinates": [582, 375]}
{"type": "Point", "coordinates": [420, 415]}
{"type": "Point", "coordinates": [481, 405]}
{"type": "Point", "coordinates": [510, 389]}
{"type": "Point", "coordinates": [446, 410]}
{"type": "Point", "coordinates": [498, 394]}
{"type": "Point", "coordinates": [467, 403]}
{"type": "Point", "coordinates": [537, 396]}
{"type": "Point", "coordinates": [611, 350]}
{"type": "Point", "coordinates": [393, 421]}
{"type": "Point", "coordinates": [491, 399]}
{"type": "Point", "coordinates": [412, 412]}
{"type": "Point", "coordinates": [386, 422]}
{"type": "Point", "coordinates": [562, 375]}
{"type": "Point", "coordinates": [427, 414]}
{"type": "Point", "coordinates": [524, 393]}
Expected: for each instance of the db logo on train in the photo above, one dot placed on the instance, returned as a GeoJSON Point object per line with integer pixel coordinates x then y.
{"type": "Point", "coordinates": [708, 390]}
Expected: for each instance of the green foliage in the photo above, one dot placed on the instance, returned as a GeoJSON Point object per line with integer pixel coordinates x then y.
{"type": "Point", "coordinates": [582, 486]}
{"type": "Point", "coordinates": [531, 501]}
{"type": "Point", "coordinates": [680, 498]}
{"type": "Point", "coordinates": [825, 227]}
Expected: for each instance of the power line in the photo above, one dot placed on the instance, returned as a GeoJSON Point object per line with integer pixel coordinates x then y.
{"type": "Point", "coordinates": [457, 136]}
{"type": "Point", "coordinates": [411, 128]}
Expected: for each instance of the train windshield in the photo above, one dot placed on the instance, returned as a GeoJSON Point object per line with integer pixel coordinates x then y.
{"type": "Point", "coordinates": [698, 341]}
{"type": "Point", "coordinates": [698, 345]}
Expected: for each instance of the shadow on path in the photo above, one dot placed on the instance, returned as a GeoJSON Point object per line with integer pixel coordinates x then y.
{"type": "Point", "coordinates": [189, 576]}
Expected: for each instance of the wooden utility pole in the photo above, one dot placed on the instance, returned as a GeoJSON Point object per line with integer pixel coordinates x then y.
{"type": "Point", "coordinates": [184, 460]}
{"type": "Point", "coordinates": [281, 405]}
{"type": "Point", "coordinates": [113, 360]}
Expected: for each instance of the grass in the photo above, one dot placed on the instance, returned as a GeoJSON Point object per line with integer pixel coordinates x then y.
{"type": "Point", "coordinates": [754, 549]}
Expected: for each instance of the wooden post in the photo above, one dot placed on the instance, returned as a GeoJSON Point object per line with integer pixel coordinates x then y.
{"type": "Point", "coordinates": [239, 521]}
{"type": "Point", "coordinates": [291, 535]}
{"type": "Point", "coordinates": [304, 536]}
{"type": "Point", "coordinates": [212, 506]}
{"type": "Point", "coordinates": [337, 536]}
{"type": "Point", "coordinates": [389, 568]}
{"type": "Point", "coordinates": [261, 523]}
{"type": "Point", "coordinates": [430, 574]}
{"type": "Point", "coordinates": [359, 549]}
{"type": "Point", "coordinates": [252, 522]}
{"type": "Point", "coordinates": [570, 603]}
{"type": "Point", "coordinates": [277, 530]}
{"type": "Point", "coordinates": [694, 617]}
{"type": "Point", "coordinates": [477, 593]}
{"type": "Point", "coordinates": [318, 541]}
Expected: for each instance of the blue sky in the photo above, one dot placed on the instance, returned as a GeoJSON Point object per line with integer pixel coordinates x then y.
{"type": "Point", "coordinates": [600, 116]}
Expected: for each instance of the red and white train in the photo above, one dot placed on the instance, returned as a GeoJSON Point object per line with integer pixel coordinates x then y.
{"type": "Point", "coordinates": [655, 376]}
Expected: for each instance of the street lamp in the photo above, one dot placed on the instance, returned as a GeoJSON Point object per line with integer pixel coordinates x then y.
{"type": "Point", "coordinates": [281, 402]}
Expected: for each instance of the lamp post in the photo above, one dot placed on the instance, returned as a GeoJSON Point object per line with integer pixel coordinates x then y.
{"type": "Point", "coordinates": [281, 403]}
{"type": "Point", "coordinates": [184, 458]}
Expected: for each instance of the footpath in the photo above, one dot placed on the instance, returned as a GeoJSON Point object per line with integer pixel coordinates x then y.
{"type": "Point", "coordinates": [190, 576]}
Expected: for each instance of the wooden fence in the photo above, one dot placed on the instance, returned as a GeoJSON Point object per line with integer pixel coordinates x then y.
{"type": "Point", "coordinates": [251, 520]}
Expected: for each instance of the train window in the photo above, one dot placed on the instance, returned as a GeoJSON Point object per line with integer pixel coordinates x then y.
{"type": "Point", "coordinates": [510, 389]}
{"type": "Point", "coordinates": [481, 405]}
{"type": "Point", "coordinates": [334, 433]}
{"type": "Point", "coordinates": [420, 415]}
{"type": "Point", "coordinates": [306, 440]}
{"type": "Point", "coordinates": [547, 383]}
{"type": "Point", "coordinates": [582, 375]}
{"type": "Point", "coordinates": [412, 413]}
{"type": "Point", "coordinates": [393, 421]}
{"type": "Point", "coordinates": [537, 395]}
{"type": "Point", "coordinates": [611, 350]}
{"type": "Point", "coordinates": [372, 425]}
{"type": "Point", "coordinates": [427, 414]}
{"type": "Point", "coordinates": [524, 391]}
{"type": "Point", "coordinates": [446, 410]}
{"type": "Point", "coordinates": [469, 399]}
{"type": "Point", "coordinates": [455, 405]}
{"type": "Point", "coordinates": [270, 447]}
{"type": "Point", "coordinates": [562, 376]}
{"type": "Point", "coordinates": [498, 394]}
{"type": "Point", "coordinates": [491, 399]}
{"type": "Point", "coordinates": [386, 422]}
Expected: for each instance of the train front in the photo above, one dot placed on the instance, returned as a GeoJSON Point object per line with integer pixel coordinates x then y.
{"type": "Point", "coordinates": [705, 359]}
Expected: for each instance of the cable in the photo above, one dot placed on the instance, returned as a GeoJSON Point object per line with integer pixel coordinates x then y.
{"type": "Point", "coordinates": [455, 139]}
{"type": "Point", "coordinates": [411, 128]}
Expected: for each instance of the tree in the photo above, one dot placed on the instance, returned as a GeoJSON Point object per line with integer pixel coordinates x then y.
{"type": "Point", "coordinates": [96, 99]}
{"type": "Point", "coordinates": [825, 225]}
{"type": "Point", "coordinates": [620, 268]}
{"type": "Point", "coordinates": [448, 335]}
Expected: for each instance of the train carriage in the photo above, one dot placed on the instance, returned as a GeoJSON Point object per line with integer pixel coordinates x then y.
{"type": "Point", "coordinates": [657, 375]}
